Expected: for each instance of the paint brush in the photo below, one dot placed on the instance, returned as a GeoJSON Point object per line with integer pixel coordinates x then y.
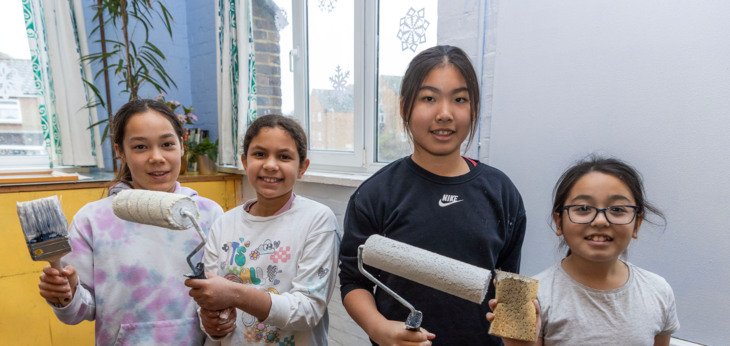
{"type": "Point", "coordinates": [45, 230]}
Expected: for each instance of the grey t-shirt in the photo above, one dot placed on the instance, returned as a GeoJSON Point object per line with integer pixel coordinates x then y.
{"type": "Point", "coordinates": [574, 314]}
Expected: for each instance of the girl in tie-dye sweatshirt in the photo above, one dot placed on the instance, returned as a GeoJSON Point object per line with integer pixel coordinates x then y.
{"type": "Point", "coordinates": [126, 276]}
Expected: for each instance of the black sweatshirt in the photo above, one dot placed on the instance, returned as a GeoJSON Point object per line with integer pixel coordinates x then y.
{"type": "Point", "coordinates": [477, 218]}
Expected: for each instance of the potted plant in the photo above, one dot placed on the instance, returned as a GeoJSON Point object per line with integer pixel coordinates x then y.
{"type": "Point", "coordinates": [205, 153]}
{"type": "Point", "coordinates": [131, 62]}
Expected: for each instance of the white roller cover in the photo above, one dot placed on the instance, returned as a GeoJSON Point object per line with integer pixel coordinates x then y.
{"type": "Point", "coordinates": [155, 208]}
{"type": "Point", "coordinates": [427, 268]}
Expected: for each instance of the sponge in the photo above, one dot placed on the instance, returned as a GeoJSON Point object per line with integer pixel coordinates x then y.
{"type": "Point", "coordinates": [514, 317]}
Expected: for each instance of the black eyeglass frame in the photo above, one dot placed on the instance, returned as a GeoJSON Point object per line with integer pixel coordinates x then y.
{"type": "Point", "coordinates": [636, 209]}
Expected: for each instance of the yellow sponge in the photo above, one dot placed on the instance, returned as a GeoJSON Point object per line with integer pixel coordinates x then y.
{"type": "Point", "coordinates": [514, 316]}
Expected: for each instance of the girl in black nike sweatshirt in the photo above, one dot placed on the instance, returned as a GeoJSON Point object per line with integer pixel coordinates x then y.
{"type": "Point", "coordinates": [437, 200]}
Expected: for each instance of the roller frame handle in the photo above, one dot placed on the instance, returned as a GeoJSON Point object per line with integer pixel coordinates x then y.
{"type": "Point", "coordinates": [414, 319]}
{"type": "Point", "coordinates": [198, 269]}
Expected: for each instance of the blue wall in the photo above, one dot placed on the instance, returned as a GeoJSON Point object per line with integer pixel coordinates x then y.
{"type": "Point", "coordinates": [202, 55]}
{"type": "Point", "coordinates": [190, 61]}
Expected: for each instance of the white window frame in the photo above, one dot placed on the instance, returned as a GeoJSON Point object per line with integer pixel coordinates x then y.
{"type": "Point", "coordinates": [362, 158]}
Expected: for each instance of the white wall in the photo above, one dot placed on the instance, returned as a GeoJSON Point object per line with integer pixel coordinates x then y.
{"type": "Point", "coordinates": [648, 82]}
{"type": "Point", "coordinates": [462, 23]}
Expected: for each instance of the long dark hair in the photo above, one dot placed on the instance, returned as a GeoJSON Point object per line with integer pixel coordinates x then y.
{"type": "Point", "coordinates": [119, 123]}
{"type": "Point", "coordinates": [428, 60]}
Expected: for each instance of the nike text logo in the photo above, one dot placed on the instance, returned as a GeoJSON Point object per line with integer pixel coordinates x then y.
{"type": "Point", "coordinates": [448, 200]}
{"type": "Point", "coordinates": [442, 204]}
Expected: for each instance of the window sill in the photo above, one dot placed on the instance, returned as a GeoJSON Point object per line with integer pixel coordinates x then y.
{"type": "Point", "coordinates": [319, 177]}
{"type": "Point", "coordinates": [37, 176]}
{"type": "Point", "coordinates": [96, 178]}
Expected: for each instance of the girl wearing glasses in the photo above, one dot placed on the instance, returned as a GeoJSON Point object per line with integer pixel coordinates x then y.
{"type": "Point", "coordinates": [593, 296]}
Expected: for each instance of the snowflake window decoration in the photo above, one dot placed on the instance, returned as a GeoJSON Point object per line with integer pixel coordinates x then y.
{"type": "Point", "coordinates": [281, 19]}
{"type": "Point", "coordinates": [413, 29]}
{"type": "Point", "coordinates": [339, 84]}
{"type": "Point", "coordinates": [327, 5]}
{"type": "Point", "coordinates": [339, 80]}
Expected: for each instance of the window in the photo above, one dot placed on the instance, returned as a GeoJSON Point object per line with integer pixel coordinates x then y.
{"type": "Point", "coordinates": [405, 28]}
{"type": "Point", "coordinates": [43, 121]}
{"type": "Point", "coordinates": [21, 137]}
{"type": "Point", "coordinates": [337, 67]}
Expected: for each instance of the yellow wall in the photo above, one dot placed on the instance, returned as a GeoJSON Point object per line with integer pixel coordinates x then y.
{"type": "Point", "coordinates": [26, 317]}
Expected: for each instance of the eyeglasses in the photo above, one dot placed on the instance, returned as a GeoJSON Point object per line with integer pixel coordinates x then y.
{"type": "Point", "coordinates": [615, 214]}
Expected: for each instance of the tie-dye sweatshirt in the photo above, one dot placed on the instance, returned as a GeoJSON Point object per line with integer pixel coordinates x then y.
{"type": "Point", "coordinates": [131, 276]}
{"type": "Point", "coordinates": [293, 256]}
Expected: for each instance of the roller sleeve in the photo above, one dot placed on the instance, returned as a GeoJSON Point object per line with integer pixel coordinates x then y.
{"type": "Point", "coordinates": [155, 208]}
{"type": "Point", "coordinates": [427, 268]}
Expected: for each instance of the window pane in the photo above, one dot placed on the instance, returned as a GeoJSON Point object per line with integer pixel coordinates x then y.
{"type": "Point", "coordinates": [21, 136]}
{"type": "Point", "coordinates": [272, 43]}
{"type": "Point", "coordinates": [405, 28]}
{"type": "Point", "coordinates": [331, 75]}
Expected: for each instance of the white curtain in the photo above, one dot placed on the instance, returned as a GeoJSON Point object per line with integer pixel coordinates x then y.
{"type": "Point", "coordinates": [235, 77]}
{"type": "Point", "coordinates": [59, 41]}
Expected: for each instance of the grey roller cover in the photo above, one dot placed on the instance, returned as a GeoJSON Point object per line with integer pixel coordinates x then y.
{"type": "Point", "coordinates": [427, 268]}
{"type": "Point", "coordinates": [155, 208]}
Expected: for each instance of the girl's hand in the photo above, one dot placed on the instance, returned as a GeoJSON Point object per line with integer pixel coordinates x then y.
{"type": "Point", "coordinates": [216, 326]}
{"type": "Point", "coordinates": [214, 293]}
{"type": "Point", "coordinates": [55, 285]}
{"type": "Point", "coordinates": [512, 342]}
{"type": "Point", "coordinates": [395, 333]}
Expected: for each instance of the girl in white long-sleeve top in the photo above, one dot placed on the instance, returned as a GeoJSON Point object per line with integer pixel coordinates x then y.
{"type": "Point", "coordinates": [271, 262]}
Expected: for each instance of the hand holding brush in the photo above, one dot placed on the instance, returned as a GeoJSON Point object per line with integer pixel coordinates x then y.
{"type": "Point", "coordinates": [44, 227]}
{"type": "Point", "coordinates": [58, 285]}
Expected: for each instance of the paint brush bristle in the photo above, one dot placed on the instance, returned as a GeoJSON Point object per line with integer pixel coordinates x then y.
{"type": "Point", "coordinates": [44, 226]}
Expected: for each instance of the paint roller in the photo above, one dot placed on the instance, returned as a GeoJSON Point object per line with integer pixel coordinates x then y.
{"type": "Point", "coordinates": [471, 282]}
{"type": "Point", "coordinates": [163, 209]}
{"type": "Point", "coordinates": [167, 210]}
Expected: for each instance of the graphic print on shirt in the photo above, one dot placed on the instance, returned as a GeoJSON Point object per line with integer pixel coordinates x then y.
{"type": "Point", "coordinates": [237, 251]}
{"type": "Point", "coordinates": [322, 272]}
{"type": "Point", "coordinates": [282, 254]}
{"type": "Point", "coordinates": [271, 272]}
{"type": "Point", "coordinates": [448, 200]}
{"type": "Point", "coordinates": [267, 247]}
{"type": "Point", "coordinates": [235, 261]}
{"type": "Point", "coordinates": [318, 285]}
{"type": "Point", "coordinates": [261, 265]}
{"type": "Point", "coordinates": [262, 332]}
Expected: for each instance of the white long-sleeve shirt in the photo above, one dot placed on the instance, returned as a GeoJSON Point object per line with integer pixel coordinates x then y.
{"type": "Point", "coordinates": [291, 255]}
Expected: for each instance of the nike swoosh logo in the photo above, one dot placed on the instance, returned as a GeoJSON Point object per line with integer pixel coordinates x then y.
{"type": "Point", "coordinates": [442, 204]}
